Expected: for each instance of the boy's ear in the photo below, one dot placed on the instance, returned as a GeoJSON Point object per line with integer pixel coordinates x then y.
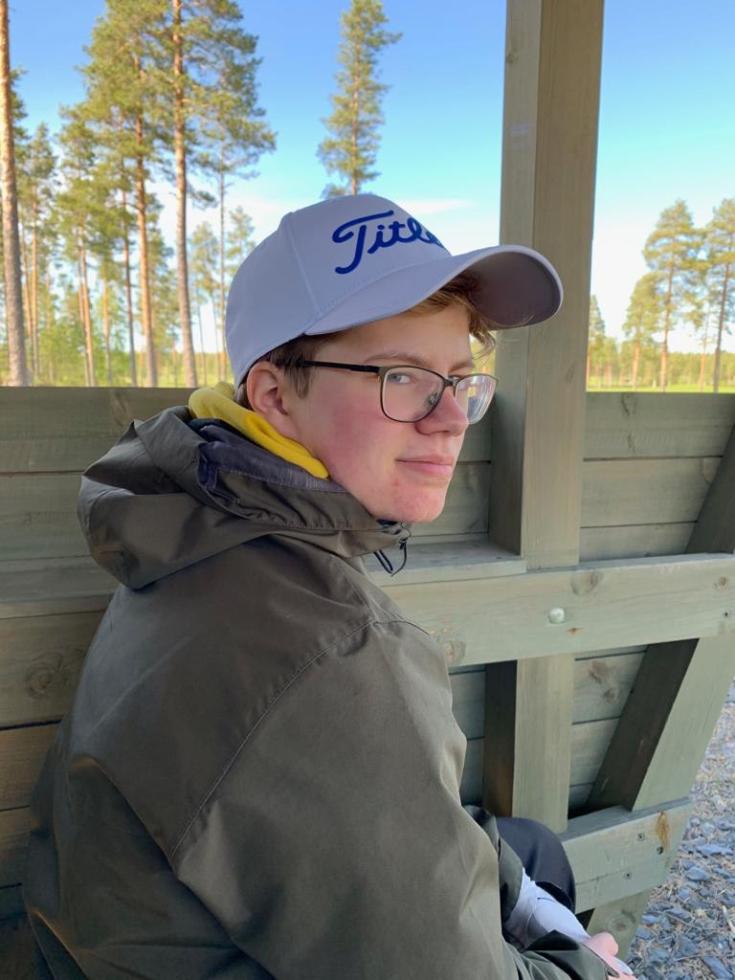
{"type": "Point", "coordinates": [269, 393]}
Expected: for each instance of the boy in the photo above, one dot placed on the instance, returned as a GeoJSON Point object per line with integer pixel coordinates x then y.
{"type": "Point", "coordinates": [260, 773]}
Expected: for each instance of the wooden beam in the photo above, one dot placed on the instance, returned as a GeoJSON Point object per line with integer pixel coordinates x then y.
{"type": "Point", "coordinates": [596, 606]}
{"type": "Point", "coordinates": [516, 692]}
{"type": "Point", "coordinates": [552, 80]}
{"type": "Point", "coordinates": [715, 529]}
{"type": "Point", "coordinates": [614, 854]}
{"type": "Point", "coordinates": [667, 723]}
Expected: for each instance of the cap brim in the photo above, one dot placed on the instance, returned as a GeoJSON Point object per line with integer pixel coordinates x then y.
{"type": "Point", "coordinates": [516, 286]}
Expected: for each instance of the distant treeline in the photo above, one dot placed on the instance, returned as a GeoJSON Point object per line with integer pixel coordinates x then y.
{"type": "Point", "coordinates": [690, 283]}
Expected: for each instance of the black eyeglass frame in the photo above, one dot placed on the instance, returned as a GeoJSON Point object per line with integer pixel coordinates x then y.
{"type": "Point", "coordinates": [382, 370]}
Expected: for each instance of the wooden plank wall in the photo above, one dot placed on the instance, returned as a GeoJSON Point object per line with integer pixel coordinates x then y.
{"type": "Point", "coordinates": [648, 463]}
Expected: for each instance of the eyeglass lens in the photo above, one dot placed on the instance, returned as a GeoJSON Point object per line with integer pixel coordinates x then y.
{"type": "Point", "coordinates": [410, 393]}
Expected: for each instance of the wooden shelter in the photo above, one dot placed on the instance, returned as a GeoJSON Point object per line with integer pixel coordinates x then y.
{"type": "Point", "coordinates": [581, 579]}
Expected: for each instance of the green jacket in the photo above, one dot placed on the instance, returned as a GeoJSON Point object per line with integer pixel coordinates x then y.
{"type": "Point", "coordinates": [260, 773]}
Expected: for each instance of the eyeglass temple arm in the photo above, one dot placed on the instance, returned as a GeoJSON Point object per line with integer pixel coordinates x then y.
{"type": "Point", "coordinates": [368, 368]}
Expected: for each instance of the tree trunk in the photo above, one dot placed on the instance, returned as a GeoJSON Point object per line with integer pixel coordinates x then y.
{"type": "Point", "coordinates": [106, 329]}
{"type": "Point", "coordinates": [35, 342]}
{"type": "Point", "coordinates": [355, 126]}
{"type": "Point", "coordinates": [19, 374]}
{"type": "Point", "coordinates": [86, 315]}
{"type": "Point", "coordinates": [223, 354]}
{"type": "Point", "coordinates": [702, 365]}
{"type": "Point", "coordinates": [129, 296]}
{"type": "Point", "coordinates": [720, 329]}
{"type": "Point", "coordinates": [636, 364]}
{"type": "Point", "coordinates": [182, 265]}
{"type": "Point", "coordinates": [146, 313]}
{"type": "Point", "coordinates": [664, 373]}
{"type": "Point", "coordinates": [175, 365]}
{"type": "Point", "coordinates": [217, 347]}
{"type": "Point", "coordinates": [25, 279]}
{"type": "Point", "coordinates": [201, 342]}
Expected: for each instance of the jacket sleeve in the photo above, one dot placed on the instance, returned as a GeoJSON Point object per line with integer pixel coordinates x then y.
{"type": "Point", "coordinates": [335, 844]}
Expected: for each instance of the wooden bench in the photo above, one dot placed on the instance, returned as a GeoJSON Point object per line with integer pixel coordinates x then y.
{"type": "Point", "coordinates": [654, 489]}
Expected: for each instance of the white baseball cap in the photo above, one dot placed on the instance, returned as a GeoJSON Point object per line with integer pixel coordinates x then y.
{"type": "Point", "coordinates": [350, 260]}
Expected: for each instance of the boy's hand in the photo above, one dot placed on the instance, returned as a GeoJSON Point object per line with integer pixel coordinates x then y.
{"type": "Point", "coordinates": [605, 946]}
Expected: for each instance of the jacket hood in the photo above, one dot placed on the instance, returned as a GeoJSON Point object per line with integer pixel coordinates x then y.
{"type": "Point", "coordinates": [175, 491]}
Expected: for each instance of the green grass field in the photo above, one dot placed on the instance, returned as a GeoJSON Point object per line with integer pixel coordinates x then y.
{"type": "Point", "coordinates": [670, 390]}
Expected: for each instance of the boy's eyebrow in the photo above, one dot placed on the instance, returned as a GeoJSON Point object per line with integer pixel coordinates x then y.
{"type": "Point", "coordinates": [404, 357]}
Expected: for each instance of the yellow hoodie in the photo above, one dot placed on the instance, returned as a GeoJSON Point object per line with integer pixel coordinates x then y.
{"type": "Point", "coordinates": [219, 403]}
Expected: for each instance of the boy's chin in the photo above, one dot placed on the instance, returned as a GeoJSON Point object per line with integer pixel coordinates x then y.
{"type": "Point", "coordinates": [416, 511]}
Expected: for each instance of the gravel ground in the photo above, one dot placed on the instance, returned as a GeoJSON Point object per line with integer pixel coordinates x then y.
{"type": "Point", "coordinates": [688, 931]}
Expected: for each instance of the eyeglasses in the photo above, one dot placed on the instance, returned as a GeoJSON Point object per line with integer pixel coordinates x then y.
{"type": "Point", "coordinates": [409, 393]}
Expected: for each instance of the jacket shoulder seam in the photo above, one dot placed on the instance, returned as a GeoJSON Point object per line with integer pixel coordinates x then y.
{"type": "Point", "coordinates": [266, 711]}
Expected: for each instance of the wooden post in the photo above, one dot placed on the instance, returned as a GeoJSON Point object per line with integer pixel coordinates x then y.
{"type": "Point", "coordinates": [552, 85]}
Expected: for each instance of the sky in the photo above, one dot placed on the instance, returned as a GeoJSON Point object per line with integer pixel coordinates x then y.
{"type": "Point", "coordinates": [667, 125]}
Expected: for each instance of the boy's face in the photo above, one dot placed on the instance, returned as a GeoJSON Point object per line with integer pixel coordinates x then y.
{"type": "Point", "coordinates": [397, 470]}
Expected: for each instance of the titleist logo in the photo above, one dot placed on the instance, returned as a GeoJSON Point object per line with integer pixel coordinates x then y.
{"type": "Point", "coordinates": [384, 236]}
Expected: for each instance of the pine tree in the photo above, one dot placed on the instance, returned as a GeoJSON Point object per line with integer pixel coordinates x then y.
{"type": "Point", "coordinates": [351, 149]}
{"type": "Point", "coordinates": [672, 254]}
{"type": "Point", "coordinates": [595, 338]}
{"type": "Point", "coordinates": [217, 124]}
{"type": "Point", "coordinates": [180, 147]}
{"type": "Point", "coordinates": [204, 260]}
{"type": "Point", "coordinates": [233, 132]}
{"type": "Point", "coordinates": [62, 342]}
{"type": "Point", "coordinates": [36, 190]}
{"type": "Point", "coordinates": [240, 242]}
{"type": "Point", "coordinates": [165, 308]}
{"type": "Point", "coordinates": [19, 374]}
{"type": "Point", "coordinates": [80, 208]}
{"type": "Point", "coordinates": [127, 83]}
{"type": "Point", "coordinates": [720, 273]}
{"type": "Point", "coordinates": [642, 320]}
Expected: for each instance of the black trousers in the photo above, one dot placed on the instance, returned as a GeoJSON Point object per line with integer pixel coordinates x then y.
{"type": "Point", "coordinates": [542, 855]}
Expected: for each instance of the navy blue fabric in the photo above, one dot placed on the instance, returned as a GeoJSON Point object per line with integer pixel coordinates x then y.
{"type": "Point", "coordinates": [542, 855]}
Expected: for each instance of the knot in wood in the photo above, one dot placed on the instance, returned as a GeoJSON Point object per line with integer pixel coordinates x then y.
{"type": "Point", "coordinates": [44, 674]}
{"type": "Point", "coordinates": [452, 648]}
{"type": "Point", "coordinates": [454, 651]}
{"type": "Point", "coordinates": [585, 582]}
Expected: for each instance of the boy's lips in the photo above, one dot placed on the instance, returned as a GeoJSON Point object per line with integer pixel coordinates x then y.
{"type": "Point", "coordinates": [435, 459]}
{"type": "Point", "coordinates": [436, 466]}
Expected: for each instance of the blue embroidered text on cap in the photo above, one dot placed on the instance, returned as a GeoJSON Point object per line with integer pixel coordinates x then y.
{"type": "Point", "coordinates": [345, 232]}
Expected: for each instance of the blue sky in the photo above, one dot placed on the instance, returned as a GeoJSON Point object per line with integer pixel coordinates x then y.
{"type": "Point", "coordinates": [667, 126]}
